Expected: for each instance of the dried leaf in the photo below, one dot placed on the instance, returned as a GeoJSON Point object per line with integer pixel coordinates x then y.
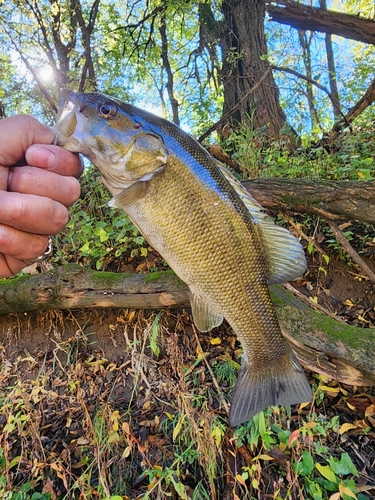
{"type": "Point", "coordinates": [346, 427]}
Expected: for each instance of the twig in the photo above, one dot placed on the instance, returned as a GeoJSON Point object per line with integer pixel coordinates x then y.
{"type": "Point", "coordinates": [237, 106]}
{"type": "Point", "coordinates": [301, 233]}
{"type": "Point", "coordinates": [332, 96]}
{"type": "Point", "coordinates": [216, 383]}
{"type": "Point", "coordinates": [310, 303]}
{"type": "Point", "coordinates": [353, 254]}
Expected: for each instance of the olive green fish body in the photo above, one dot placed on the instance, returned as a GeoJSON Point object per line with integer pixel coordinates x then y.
{"type": "Point", "coordinates": [212, 234]}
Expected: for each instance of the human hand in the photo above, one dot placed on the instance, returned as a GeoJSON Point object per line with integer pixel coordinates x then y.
{"type": "Point", "coordinates": [37, 184]}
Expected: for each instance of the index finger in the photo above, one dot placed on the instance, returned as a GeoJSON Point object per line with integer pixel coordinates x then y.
{"type": "Point", "coordinates": [55, 159]}
{"type": "Point", "coordinates": [17, 134]}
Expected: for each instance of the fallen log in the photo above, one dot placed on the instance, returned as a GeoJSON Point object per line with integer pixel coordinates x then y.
{"type": "Point", "coordinates": [335, 200]}
{"type": "Point", "coordinates": [323, 344]}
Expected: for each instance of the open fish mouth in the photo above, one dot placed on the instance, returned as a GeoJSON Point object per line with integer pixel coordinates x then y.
{"type": "Point", "coordinates": [66, 116]}
{"type": "Point", "coordinates": [71, 123]}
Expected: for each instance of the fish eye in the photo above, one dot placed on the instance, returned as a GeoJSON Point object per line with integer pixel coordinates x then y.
{"type": "Point", "coordinates": [107, 111]}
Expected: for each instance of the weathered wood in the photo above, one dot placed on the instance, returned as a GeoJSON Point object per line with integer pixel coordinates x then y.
{"type": "Point", "coordinates": [340, 351]}
{"type": "Point", "coordinates": [72, 287]}
{"type": "Point", "coordinates": [335, 200]}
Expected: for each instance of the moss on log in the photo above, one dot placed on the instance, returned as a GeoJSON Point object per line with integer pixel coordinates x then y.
{"type": "Point", "coordinates": [323, 344]}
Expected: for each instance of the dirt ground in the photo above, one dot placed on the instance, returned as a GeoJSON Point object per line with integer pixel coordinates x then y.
{"type": "Point", "coordinates": [90, 359]}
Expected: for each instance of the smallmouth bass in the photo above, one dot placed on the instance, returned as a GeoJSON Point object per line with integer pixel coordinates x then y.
{"type": "Point", "coordinates": [208, 228]}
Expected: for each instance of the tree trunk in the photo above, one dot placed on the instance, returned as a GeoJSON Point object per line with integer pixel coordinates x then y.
{"type": "Point", "coordinates": [322, 343]}
{"type": "Point", "coordinates": [243, 44]}
{"type": "Point", "coordinates": [301, 16]}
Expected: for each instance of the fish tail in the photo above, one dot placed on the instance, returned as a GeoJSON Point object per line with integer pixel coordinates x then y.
{"type": "Point", "coordinates": [256, 389]}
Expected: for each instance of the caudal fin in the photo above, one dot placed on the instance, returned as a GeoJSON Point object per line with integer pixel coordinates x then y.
{"type": "Point", "coordinates": [282, 384]}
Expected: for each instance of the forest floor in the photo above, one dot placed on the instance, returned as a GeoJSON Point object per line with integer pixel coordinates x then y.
{"type": "Point", "coordinates": [132, 404]}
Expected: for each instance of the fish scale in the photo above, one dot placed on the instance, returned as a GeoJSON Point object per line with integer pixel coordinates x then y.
{"type": "Point", "coordinates": [211, 233]}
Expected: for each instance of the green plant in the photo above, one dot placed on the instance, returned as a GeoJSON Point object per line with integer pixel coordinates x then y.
{"type": "Point", "coordinates": [97, 235]}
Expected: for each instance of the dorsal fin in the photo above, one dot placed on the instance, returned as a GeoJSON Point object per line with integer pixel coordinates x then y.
{"type": "Point", "coordinates": [285, 255]}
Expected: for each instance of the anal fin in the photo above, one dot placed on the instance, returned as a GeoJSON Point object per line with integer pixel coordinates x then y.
{"type": "Point", "coordinates": [205, 318]}
{"type": "Point", "coordinates": [256, 389]}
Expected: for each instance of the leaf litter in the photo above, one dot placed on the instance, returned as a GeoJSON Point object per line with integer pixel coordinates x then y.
{"type": "Point", "coordinates": [149, 420]}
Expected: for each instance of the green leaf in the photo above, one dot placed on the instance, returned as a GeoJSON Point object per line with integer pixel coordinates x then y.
{"type": "Point", "coordinates": [306, 465]}
{"type": "Point", "coordinates": [315, 490]}
{"type": "Point", "coordinates": [343, 466]}
{"type": "Point", "coordinates": [327, 472]}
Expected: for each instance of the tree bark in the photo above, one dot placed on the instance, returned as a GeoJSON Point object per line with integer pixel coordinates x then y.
{"type": "Point", "coordinates": [335, 200]}
{"type": "Point", "coordinates": [243, 44]}
{"type": "Point", "coordinates": [303, 17]}
{"type": "Point", "coordinates": [72, 287]}
{"type": "Point", "coordinates": [322, 343]}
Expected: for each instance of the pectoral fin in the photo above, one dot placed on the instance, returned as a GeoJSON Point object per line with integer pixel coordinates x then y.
{"type": "Point", "coordinates": [130, 195]}
{"type": "Point", "coordinates": [205, 318]}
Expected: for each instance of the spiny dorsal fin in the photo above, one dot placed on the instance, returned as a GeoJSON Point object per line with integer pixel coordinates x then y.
{"type": "Point", "coordinates": [205, 318]}
{"type": "Point", "coordinates": [285, 255]}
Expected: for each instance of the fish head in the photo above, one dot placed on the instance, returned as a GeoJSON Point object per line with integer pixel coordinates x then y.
{"type": "Point", "coordinates": [105, 131]}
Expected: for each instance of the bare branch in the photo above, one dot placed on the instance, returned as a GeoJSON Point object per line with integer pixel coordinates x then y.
{"type": "Point", "coordinates": [168, 69]}
{"type": "Point", "coordinates": [332, 97]}
{"type": "Point", "coordinates": [366, 100]}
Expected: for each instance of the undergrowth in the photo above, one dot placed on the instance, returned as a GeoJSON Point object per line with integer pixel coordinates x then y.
{"type": "Point", "coordinates": [351, 157]}
{"type": "Point", "coordinates": [74, 425]}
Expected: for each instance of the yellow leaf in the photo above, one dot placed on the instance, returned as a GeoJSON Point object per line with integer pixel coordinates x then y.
{"type": "Point", "coordinates": [326, 388]}
{"type": "Point", "coordinates": [326, 472]}
{"type": "Point", "coordinates": [146, 405]}
{"type": "Point", "coordinates": [215, 341]}
{"type": "Point", "coordinates": [126, 452]}
{"type": "Point", "coordinates": [335, 496]}
{"type": "Point", "coordinates": [343, 489]}
{"type": "Point", "coordinates": [263, 456]}
{"type": "Point", "coordinates": [255, 484]}
{"type": "Point", "coordinates": [349, 303]}
{"type": "Point", "coordinates": [346, 427]}
{"type": "Point", "coordinates": [303, 405]}
{"type": "Point", "coordinates": [350, 406]}
{"type": "Point", "coordinates": [314, 299]}
{"type": "Point", "coordinates": [240, 479]}
{"type": "Point", "coordinates": [131, 315]}
{"type": "Point", "coordinates": [177, 429]}
{"type": "Point", "coordinates": [370, 410]}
